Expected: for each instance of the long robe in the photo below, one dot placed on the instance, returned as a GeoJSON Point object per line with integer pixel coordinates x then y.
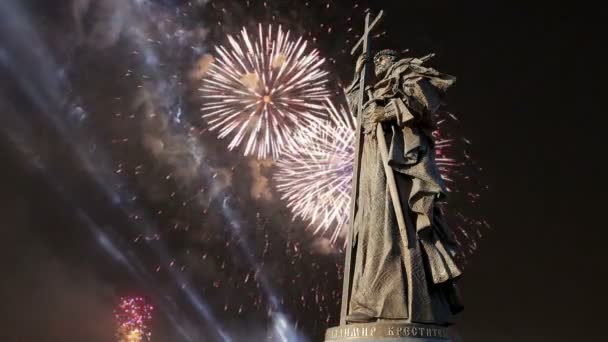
{"type": "Point", "coordinates": [407, 276]}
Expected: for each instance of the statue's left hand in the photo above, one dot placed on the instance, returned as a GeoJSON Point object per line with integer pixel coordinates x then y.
{"type": "Point", "coordinates": [375, 113]}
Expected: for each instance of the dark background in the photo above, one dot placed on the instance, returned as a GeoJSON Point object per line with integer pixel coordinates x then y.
{"type": "Point", "coordinates": [528, 96]}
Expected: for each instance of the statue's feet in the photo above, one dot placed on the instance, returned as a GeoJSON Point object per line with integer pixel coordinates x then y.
{"type": "Point", "coordinates": [359, 317]}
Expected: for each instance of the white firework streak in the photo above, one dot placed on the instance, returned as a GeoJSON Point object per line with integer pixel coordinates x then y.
{"type": "Point", "coordinates": [259, 91]}
{"type": "Point", "coordinates": [315, 177]}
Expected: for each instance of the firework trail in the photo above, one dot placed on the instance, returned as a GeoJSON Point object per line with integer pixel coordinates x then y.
{"type": "Point", "coordinates": [132, 316]}
{"type": "Point", "coordinates": [259, 91]}
{"type": "Point", "coordinates": [315, 177]}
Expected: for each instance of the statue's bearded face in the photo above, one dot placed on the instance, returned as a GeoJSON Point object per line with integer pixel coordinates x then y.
{"type": "Point", "coordinates": [382, 63]}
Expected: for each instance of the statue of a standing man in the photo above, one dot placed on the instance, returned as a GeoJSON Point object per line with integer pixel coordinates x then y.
{"type": "Point", "coordinates": [404, 275]}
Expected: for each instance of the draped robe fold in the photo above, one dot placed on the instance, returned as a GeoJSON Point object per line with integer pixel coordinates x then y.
{"type": "Point", "coordinates": [398, 275]}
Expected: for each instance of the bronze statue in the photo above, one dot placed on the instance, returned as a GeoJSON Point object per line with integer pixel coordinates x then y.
{"type": "Point", "coordinates": [401, 274]}
{"type": "Point", "coordinates": [400, 266]}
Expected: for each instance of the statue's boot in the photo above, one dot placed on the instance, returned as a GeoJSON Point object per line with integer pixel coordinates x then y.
{"type": "Point", "coordinates": [359, 317]}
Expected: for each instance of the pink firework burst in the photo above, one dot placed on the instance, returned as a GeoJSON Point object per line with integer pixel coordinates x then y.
{"type": "Point", "coordinates": [133, 316]}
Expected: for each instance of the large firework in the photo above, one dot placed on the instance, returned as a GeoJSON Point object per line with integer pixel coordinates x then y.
{"type": "Point", "coordinates": [132, 316]}
{"type": "Point", "coordinates": [315, 177]}
{"type": "Point", "coordinates": [259, 89]}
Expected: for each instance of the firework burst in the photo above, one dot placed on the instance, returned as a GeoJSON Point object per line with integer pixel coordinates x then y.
{"type": "Point", "coordinates": [315, 177]}
{"type": "Point", "coordinates": [132, 316]}
{"type": "Point", "coordinates": [259, 90]}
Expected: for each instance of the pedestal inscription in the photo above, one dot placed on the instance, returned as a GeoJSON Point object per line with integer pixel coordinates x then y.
{"type": "Point", "coordinates": [387, 331]}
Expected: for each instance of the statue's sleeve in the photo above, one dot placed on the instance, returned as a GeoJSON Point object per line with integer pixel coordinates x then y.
{"type": "Point", "coordinates": [396, 108]}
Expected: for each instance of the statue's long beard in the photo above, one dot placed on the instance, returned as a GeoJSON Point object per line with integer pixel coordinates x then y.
{"type": "Point", "coordinates": [380, 69]}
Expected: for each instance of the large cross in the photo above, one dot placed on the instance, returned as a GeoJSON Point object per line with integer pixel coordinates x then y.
{"type": "Point", "coordinates": [364, 42]}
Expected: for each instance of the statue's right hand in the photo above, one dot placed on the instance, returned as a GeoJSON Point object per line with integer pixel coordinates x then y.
{"type": "Point", "coordinates": [364, 58]}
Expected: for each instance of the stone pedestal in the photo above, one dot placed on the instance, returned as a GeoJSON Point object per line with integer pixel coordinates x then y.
{"type": "Point", "coordinates": [387, 332]}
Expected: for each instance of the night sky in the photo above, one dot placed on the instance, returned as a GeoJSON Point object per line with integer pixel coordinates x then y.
{"type": "Point", "coordinates": [102, 200]}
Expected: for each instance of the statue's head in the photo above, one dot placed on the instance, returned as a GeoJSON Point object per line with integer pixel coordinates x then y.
{"type": "Point", "coordinates": [383, 60]}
